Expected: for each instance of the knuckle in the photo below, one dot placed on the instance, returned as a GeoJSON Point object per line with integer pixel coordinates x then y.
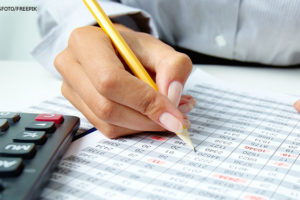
{"type": "Point", "coordinates": [186, 61]}
{"type": "Point", "coordinates": [151, 104]}
{"type": "Point", "coordinates": [106, 82]}
{"type": "Point", "coordinates": [59, 61]}
{"type": "Point", "coordinates": [179, 60]}
{"type": "Point", "coordinates": [104, 110]}
{"type": "Point", "coordinates": [75, 34]}
{"type": "Point", "coordinates": [80, 33]}
{"type": "Point", "coordinates": [182, 59]}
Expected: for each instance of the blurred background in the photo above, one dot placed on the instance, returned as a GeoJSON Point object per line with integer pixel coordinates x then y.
{"type": "Point", "coordinates": [19, 32]}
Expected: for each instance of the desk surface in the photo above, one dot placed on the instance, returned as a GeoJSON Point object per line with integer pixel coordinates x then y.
{"type": "Point", "coordinates": [23, 84]}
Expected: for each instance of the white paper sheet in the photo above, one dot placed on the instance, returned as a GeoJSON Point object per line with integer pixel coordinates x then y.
{"type": "Point", "coordinates": [247, 142]}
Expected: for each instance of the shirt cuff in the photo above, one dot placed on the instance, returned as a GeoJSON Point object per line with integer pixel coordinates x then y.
{"type": "Point", "coordinates": [57, 38]}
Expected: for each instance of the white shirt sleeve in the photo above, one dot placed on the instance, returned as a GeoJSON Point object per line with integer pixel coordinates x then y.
{"type": "Point", "coordinates": [57, 19]}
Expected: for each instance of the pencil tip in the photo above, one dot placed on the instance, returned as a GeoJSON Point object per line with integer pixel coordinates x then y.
{"type": "Point", "coordinates": [185, 136]}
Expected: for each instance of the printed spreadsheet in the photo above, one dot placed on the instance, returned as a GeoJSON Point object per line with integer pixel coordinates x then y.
{"type": "Point", "coordinates": [247, 146]}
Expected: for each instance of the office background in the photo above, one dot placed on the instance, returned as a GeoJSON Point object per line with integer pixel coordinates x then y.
{"type": "Point", "coordinates": [19, 32]}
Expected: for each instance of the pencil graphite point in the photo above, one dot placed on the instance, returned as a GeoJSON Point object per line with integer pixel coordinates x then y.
{"type": "Point", "coordinates": [185, 136]}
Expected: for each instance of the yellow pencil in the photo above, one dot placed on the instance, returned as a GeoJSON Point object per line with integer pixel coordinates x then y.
{"type": "Point", "coordinates": [127, 54]}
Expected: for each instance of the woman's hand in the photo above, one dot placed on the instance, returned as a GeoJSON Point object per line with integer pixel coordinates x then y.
{"type": "Point", "coordinates": [96, 82]}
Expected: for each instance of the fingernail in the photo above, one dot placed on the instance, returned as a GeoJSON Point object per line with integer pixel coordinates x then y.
{"type": "Point", "coordinates": [185, 108]}
{"type": "Point", "coordinates": [171, 123]}
{"type": "Point", "coordinates": [297, 105]}
{"type": "Point", "coordinates": [174, 92]}
{"type": "Point", "coordinates": [187, 123]}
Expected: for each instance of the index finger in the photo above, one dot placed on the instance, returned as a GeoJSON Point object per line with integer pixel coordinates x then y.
{"type": "Point", "coordinates": [169, 65]}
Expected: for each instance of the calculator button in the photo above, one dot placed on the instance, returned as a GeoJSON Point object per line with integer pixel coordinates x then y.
{"type": "Point", "coordinates": [49, 127]}
{"type": "Point", "coordinates": [10, 116]}
{"type": "Point", "coordinates": [24, 150]}
{"type": "Point", "coordinates": [56, 118]}
{"type": "Point", "coordinates": [37, 137]}
{"type": "Point", "coordinates": [10, 167]}
{"type": "Point", "coordinates": [3, 124]}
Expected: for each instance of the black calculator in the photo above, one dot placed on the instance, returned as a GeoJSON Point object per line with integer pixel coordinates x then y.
{"type": "Point", "coordinates": [30, 147]}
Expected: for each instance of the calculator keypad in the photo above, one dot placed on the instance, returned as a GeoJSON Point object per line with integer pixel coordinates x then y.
{"type": "Point", "coordinates": [30, 146]}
